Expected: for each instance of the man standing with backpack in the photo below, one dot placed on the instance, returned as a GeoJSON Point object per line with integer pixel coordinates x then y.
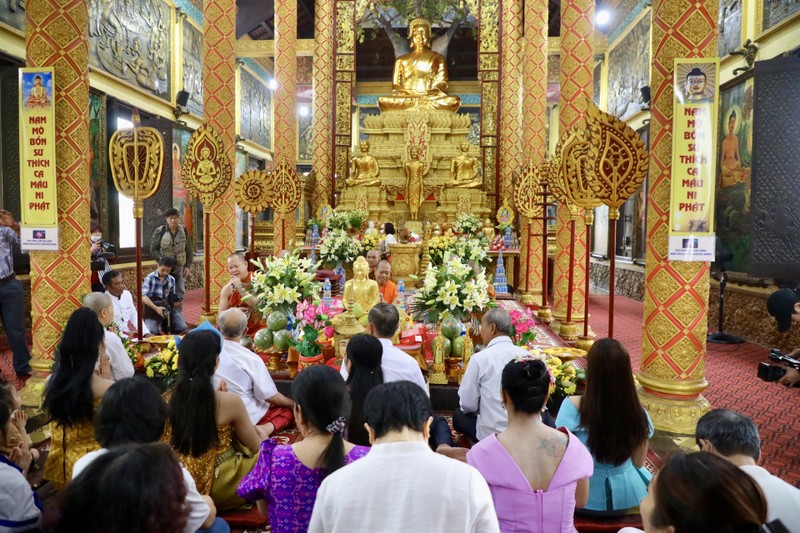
{"type": "Point", "coordinates": [172, 240]}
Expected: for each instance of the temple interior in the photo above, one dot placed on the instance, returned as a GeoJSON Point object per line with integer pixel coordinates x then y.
{"type": "Point", "coordinates": [610, 168]}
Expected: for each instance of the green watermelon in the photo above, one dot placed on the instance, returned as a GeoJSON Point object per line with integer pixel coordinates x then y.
{"type": "Point", "coordinates": [358, 311]}
{"type": "Point", "coordinates": [263, 339]}
{"type": "Point", "coordinates": [458, 346]}
{"type": "Point", "coordinates": [282, 339]}
{"type": "Point", "coordinates": [277, 321]}
{"type": "Point", "coordinates": [451, 328]}
{"type": "Point", "coordinates": [447, 346]}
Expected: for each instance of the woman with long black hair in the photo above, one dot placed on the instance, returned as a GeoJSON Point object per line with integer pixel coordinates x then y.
{"type": "Point", "coordinates": [364, 355]}
{"type": "Point", "coordinates": [73, 393]}
{"type": "Point", "coordinates": [286, 478]}
{"type": "Point", "coordinates": [203, 423]}
{"type": "Point", "coordinates": [611, 422]}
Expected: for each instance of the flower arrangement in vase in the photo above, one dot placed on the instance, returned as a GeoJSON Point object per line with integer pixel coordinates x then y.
{"type": "Point", "coordinates": [465, 247]}
{"type": "Point", "coordinates": [467, 224]}
{"type": "Point", "coordinates": [523, 327]}
{"type": "Point", "coordinates": [453, 289]}
{"type": "Point", "coordinates": [279, 283]}
{"type": "Point", "coordinates": [164, 365]}
{"type": "Point", "coordinates": [370, 241]}
{"type": "Point", "coordinates": [564, 378]}
{"type": "Point", "coordinates": [339, 247]}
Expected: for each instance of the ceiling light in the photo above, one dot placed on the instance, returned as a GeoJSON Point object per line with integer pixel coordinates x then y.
{"type": "Point", "coordinates": [304, 111]}
{"type": "Point", "coordinates": [272, 84]}
{"type": "Point", "coordinates": [602, 17]}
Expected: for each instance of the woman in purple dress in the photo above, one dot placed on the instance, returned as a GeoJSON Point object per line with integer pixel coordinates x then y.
{"type": "Point", "coordinates": [286, 478]}
{"type": "Point", "coordinates": [537, 474]}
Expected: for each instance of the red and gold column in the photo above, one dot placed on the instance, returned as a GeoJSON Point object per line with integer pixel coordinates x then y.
{"type": "Point", "coordinates": [285, 115]}
{"type": "Point", "coordinates": [489, 76]}
{"type": "Point", "coordinates": [322, 140]}
{"type": "Point", "coordinates": [534, 141]}
{"type": "Point", "coordinates": [577, 48]}
{"type": "Point", "coordinates": [676, 293]}
{"type": "Point", "coordinates": [56, 36]}
{"type": "Point", "coordinates": [511, 97]}
{"type": "Point", "coordinates": [344, 78]}
{"type": "Point", "coordinates": [219, 79]}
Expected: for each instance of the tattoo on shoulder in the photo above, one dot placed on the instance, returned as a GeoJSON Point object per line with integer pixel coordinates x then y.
{"type": "Point", "coordinates": [553, 446]}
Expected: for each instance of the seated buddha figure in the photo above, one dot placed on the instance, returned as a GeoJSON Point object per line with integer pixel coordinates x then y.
{"type": "Point", "coordinates": [464, 170]}
{"type": "Point", "coordinates": [361, 290]}
{"type": "Point", "coordinates": [420, 77]}
{"type": "Point", "coordinates": [364, 169]}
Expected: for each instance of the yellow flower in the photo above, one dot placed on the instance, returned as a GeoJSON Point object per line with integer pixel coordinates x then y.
{"type": "Point", "coordinates": [165, 355]}
{"type": "Point", "coordinates": [149, 372]}
{"type": "Point", "coordinates": [175, 364]}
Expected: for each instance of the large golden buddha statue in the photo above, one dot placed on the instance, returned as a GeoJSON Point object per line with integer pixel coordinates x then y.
{"type": "Point", "coordinates": [464, 170]}
{"type": "Point", "coordinates": [414, 192]}
{"type": "Point", "coordinates": [420, 77]}
{"type": "Point", "coordinates": [361, 289]}
{"type": "Point", "coordinates": [364, 169]}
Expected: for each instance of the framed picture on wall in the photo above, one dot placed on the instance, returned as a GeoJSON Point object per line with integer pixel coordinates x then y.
{"type": "Point", "coordinates": [734, 158]}
{"type": "Point", "coordinates": [774, 12]}
{"type": "Point", "coordinates": [98, 160]}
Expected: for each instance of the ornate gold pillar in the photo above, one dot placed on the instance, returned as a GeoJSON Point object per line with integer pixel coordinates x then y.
{"type": "Point", "coordinates": [322, 140]}
{"type": "Point", "coordinates": [577, 47]}
{"type": "Point", "coordinates": [344, 77]}
{"type": "Point", "coordinates": [489, 76]}
{"type": "Point", "coordinates": [55, 36]}
{"type": "Point", "coordinates": [676, 293]}
{"type": "Point", "coordinates": [510, 97]}
{"type": "Point", "coordinates": [285, 116]}
{"type": "Point", "coordinates": [534, 141]}
{"type": "Point", "coordinates": [219, 106]}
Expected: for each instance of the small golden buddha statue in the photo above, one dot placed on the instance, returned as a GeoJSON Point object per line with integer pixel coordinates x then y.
{"type": "Point", "coordinates": [206, 171]}
{"type": "Point", "coordinates": [420, 77]}
{"type": "Point", "coordinates": [464, 170]}
{"type": "Point", "coordinates": [415, 171]}
{"type": "Point", "coordinates": [361, 290]}
{"type": "Point", "coordinates": [364, 169]}
{"type": "Point", "coordinates": [488, 230]}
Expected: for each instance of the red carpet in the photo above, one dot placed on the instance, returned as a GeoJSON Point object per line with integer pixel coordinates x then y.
{"type": "Point", "coordinates": [732, 384]}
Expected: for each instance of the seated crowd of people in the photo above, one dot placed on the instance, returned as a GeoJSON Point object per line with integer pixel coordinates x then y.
{"type": "Point", "coordinates": [371, 455]}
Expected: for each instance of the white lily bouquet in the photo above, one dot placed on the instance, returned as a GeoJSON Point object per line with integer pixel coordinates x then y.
{"type": "Point", "coordinates": [280, 283]}
{"type": "Point", "coordinates": [454, 288]}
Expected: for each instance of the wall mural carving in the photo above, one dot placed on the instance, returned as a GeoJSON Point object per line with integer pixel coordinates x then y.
{"type": "Point", "coordinates": [98, 143]}
{"type": "Point", "coordinates": [730, 26]}
{"type": "Point", "coordinates": [734, 147]}
{"type": "Point", "coordinates": [131, 40]}
{"type": "Point", "coordinates": [256, 110]}
{"type": "Point", "coordinates": [193, 67]}
{"type": "Point", "coordinates": [12, 13]}
{"type": "Point", "coordinates": [774, 11]}
{"type": "Point", "coordinates": [629, 70]}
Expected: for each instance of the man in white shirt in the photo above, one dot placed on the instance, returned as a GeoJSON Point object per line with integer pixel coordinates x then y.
{"type": "Point", "coordinates": [401, 484]}
{"type": "Point", "coordinates": [125, 315]}
{"type": "Point", "coordinates": [244, 374]}
{"type": "Point", "coordinates": [121, 364]}
{"type": "Point", "coordinates": [733, 436]}
{"type": "Point", "coordinates": [482, 412]}
{"type": "Point", "coordinates": [396, 364]}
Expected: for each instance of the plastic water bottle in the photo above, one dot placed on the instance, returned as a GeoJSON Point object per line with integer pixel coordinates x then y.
{"type": "Point", "coordinates": [401, 294]}
{"type": "Point", "coordinates": [326, 293]}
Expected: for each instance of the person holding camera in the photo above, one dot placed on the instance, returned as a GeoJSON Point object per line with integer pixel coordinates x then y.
{"type": "Point", "coordinates": [784, 305]}
{"type": "Point", "coordinates": [158, 297]}
{"type": "Point", "coordinates": [101, 252]}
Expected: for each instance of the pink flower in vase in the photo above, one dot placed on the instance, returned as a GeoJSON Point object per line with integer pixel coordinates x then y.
{"type": "Point", "coordinates": [310, 314]}
{"type": "Point", "coordinates": [328, 331]}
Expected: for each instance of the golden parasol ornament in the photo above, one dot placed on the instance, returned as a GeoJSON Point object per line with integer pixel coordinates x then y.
{"type": "Point", "coordinates": [137, 159]}
{"type": "Point", "coordinates": [206, 173]}
{"type": "Point", "coordinates": [619, 159]}
{"type": "Point", "coordinates": [573, 152]}
{"type": "Point", "coordinates": [287, 195]}
{"type": "Point", "coordinates": [253, 191]}
{"type": "Point", "coordinates": [619, 166]}
{"type": "Point", "coordinates": [528, 191]}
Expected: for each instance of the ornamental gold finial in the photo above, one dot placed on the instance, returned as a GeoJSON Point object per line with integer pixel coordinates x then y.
{"type": "Point", "coordinates": [619, 159]}
{"type": "Point", "coordinates": [206, 170]}
{"type": "Point", "coordinates": [137, 159]}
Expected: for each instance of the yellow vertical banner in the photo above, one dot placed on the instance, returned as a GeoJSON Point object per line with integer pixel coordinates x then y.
{"type": "Point", "coordinates": [37, 140]}
{"type": "Point", "coordinates": [694, 142]}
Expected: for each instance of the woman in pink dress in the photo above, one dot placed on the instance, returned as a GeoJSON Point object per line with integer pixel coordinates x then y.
{"type": "Point", "coordinates": [537, 474]}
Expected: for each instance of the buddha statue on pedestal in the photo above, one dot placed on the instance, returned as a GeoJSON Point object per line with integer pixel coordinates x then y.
{"type": "Point", "coordinates": [415, 171]}
{"type": "Point", "coordinates": [361, 290]}
{"type": "Point", "coordinates": [420, 77]}
{"type": "Point", "coordinates": [464, 170]}
{"type": "Point", "coordinates": [364, 169]}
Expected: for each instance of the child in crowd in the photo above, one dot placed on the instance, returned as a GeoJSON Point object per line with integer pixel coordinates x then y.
{"type": "Point", "coordinates": [19, 418]}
